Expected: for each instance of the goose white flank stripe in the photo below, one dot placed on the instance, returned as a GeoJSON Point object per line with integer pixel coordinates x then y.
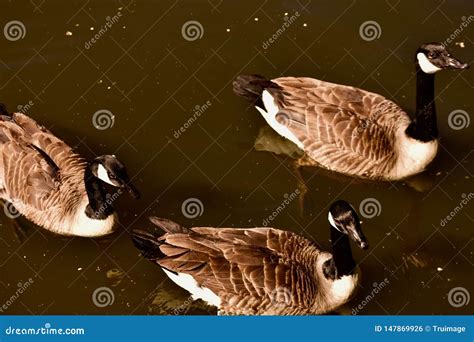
{"type": "Point", "coordinates": [188, 283]}
{"type": "Point", "coordinates": [270, 117]}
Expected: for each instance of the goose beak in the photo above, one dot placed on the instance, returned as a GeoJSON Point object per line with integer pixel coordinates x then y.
{"type": "Point", "coordinates": [454, 63]}
{"type": "Point", "coordinates": [359, 238]}
{"type": "Point", "coordinates": [364, 245]}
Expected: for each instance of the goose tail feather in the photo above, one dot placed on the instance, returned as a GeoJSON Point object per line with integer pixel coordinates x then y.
{"type": "Point", "coordinates": [251, 87]}
{"type": "Point", "coordinates": [168, 226]}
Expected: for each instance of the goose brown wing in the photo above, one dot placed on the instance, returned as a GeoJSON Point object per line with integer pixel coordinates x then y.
{"type": "Point", "coordinates": [247, 268]}
{"type": "Point", "coordinates": [341, 127]}
{"type": "Point", "coordinates": [61, 153]}
{"type": "Point", "coordinates": [28, 174]}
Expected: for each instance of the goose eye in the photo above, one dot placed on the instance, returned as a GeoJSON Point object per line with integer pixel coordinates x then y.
{"type": "Point", "coordinates": [112, 177]}
{"type": "Point", "coordinates": [431, 55]}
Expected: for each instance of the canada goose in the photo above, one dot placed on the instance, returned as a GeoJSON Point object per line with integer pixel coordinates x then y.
{"type": "Point", "coordinates": [259, 271]}
{"type": "Point", "coordinates": [53, 186]}
{"type": "Point", "coordinates": [350, 130]}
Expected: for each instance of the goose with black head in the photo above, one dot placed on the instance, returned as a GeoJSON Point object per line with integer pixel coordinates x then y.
{"type": "Point", "coordinates": [53, 186]}
{"type": "Point", "coordinates": [259, 271]}
{"type": "Point", "coordinates": [350, 130]}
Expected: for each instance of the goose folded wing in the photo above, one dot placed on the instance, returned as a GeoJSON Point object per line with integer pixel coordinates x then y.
{"type": "Point", "coordinates": [30, 176]}
{"type": "Point", "coordinates": [61, 153]}
{"type": "Point", "coordinates": [300, 91]}
{"type": "Point", "coordinates": [226, 262]}
{"type": "Point", "coordinates": [339, 138]}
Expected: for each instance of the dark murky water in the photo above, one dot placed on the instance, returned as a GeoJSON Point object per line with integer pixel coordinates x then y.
{"type": "Point", "coordinates": [153, 81]}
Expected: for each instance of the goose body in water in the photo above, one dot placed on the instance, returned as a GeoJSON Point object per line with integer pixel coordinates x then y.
{"type": "Point", "coordinates": [350, 130]}
{"type": "Point", "coordinates": [53, 186]}
{"type": "Point", "coordinates": [259, 271]}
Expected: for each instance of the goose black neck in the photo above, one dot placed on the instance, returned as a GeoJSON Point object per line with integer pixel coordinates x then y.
{"type": "Point", "coordinates": [342, 255]}
{"type": "Point", "coordinates": [423, 126]}
{"type": "Point", "coordinates": [98, 207]}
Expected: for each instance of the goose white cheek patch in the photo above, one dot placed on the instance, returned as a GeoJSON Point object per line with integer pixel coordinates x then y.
{"type": "Point", "coordinates": [426, 65]}
{"type": "Point", "coordinates": [103, 175]}
{"type": "Point", "coordinates": [332, 222]}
